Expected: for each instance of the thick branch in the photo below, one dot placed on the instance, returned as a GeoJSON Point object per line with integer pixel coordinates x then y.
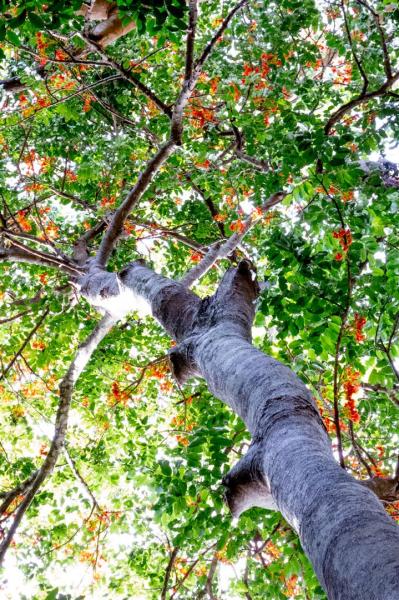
{"type": "Point", "coordinates": [19, 253]}
{"type": "Point", "coordinates": [116, 226]}
{"type": "Point", "coordinates": [364, 97]}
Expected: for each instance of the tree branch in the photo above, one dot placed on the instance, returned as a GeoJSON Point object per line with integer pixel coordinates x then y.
{"type": "Point", "coordinates": [223, 250]}
{"type": "Point", "coordinates": [17, 252]}
{"type": "Point", "coordinates": [361, 99]}
{"type": "Point", "coordinates": [76, 367]}
{"type": "Point", "coordinates": [24, 344]}
{"type": "Point", "coordinates": [192, 23]}
{"type": "Point", "coordinates": [168, 572]}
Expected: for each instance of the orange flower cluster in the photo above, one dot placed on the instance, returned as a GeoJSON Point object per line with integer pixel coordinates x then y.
{"type": "Point", "coordinates": [70, 176]}
{"type": "Point", "coordinates": [236, 92]}
{"type": "Point", "coordinates": [34, 187]}
{"type": "Point", "coordinates": [360, 322]}
{"type": "Point", "coordinates": [199, 116]}
{"type": "Point", "coordinates": [345, 240]}
{"type": "Point", "coordinates": [22, 100]}
{"type": "Point", "coordinates": [51, 231]}
{"type": "Point", "coordinates": [60, 81]}
{"type": "Point", "coordinates": [220, 218]}
{"type": "Point", "coordinates": [43, 278]}
{"type": "Point", "coordinates": [381, 451]}
{"type": "Point", "coordinates": [105, 518]}
{"type": "Point", "coordinates": [33, 161]}
{"type": "Point", "coordinates": [195, 257]}
{"type": "Point", "coordinates": [166, 386]}
{"type": "Point", "coordinates": [291, 587]}
{"type": "Point", "coordinates": [351, 386]}
{"type": "Point", "coordinates": [61, 55]}
{"type": "Point", "coordinates": [343, 75]}
{"type": "Point", "coordinates": [333, 13]}
{"type": "Point", "coordinates": [107, 202]}
{"type": "Point", "coordinates": [43, 450]}
{"type": "Point", "coordinates": [38, 345]}
{"type": "Point", "coordinates": [158, 371]}
{"type": "Point", "coordinates": [14, 505]}
{"type": "Point", "coordinates": [128, 228]}
{"type": "Point", "coordinates": [118, 396]}
{"type": "Point", "coordinates": [183, 440]}
{"type": "Point", "coordinates": [314, 64]}
{"type": "Point", "coordinates": [42, 101]}
{"type": "Point", "coordinates": [263, 69]}
{"type": "Point", "coordinates": [257, 213]}
{"type": "Point", "coordinates": [22, 221]}
{"type": "Point", "coordinates": [87, 100]}
{"type": "Point", "coordinates": [272, 550]}
{"type": "Point", "coordinates": [347, 196]}
{"type": "Point", "coordinates": [213, 88]}
{"type": "Point", "coordinates": [237, 226]}
{"type": "Point", "coordinates": [41, 47]}
{"type": "Point", "coordinates": [328, 421]}
{"type": "Point", "coordinates": [203, 165]}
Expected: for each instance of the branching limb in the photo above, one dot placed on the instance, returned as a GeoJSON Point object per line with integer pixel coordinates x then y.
{"type": "Point", "coordinates": [377, 20]}
{"type": "Point", "coordinates": [354, 54]}
{"type": "Point", "coordinates": [154, 164]}
{"type": "Point", "coordinates": [361, 99]}
{"type": "Point", "coordinates": [393, 394]}
{"type": "Point", "coordinates": [115, 228]}
{"type": "Point", "coordinates": [128, 76]}
{"type": "Point", "coordinates": [207, 200]}
{"type": "Point", "coordinates": [80, 479]}
{"type": "Point", "coordinates": [192, 23]}
{"type": "Point", "coordinates": [17, 252]}
{"type": "Point", "coordinates": [209, 579]}
{"type": "Point", "coordinates": [168, 572]}
{"type": "Point", "coordinates": [190, 81]}
{"type": "Point", "coordinates": [24, 344]}
{"type": "Point", "coordinates": [223, 250]}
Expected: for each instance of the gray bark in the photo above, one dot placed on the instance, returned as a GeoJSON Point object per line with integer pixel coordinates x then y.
{"type": "Point", "coordinates": [344, 529]}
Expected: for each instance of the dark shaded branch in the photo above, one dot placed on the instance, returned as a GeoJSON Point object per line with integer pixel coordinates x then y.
{"type": "Point", "coordinates": [24, 344]}
{"type": "Point", "coordinates": [129, 76]}
{"type": "Point", "coordinates": [168, 572]}
{"type": "Point", "coordinates": [209, 47]}
{"type": "Point", "coordinates": [208, 201]}
{"type": "Point", "coordinates": [9, 497]}
{"type": "Point", "coordinates": [152, 167]}
{"type": "Point", "coordinates": [354, 54]}
{"type": "Point", "coordinates": [189, 83]}
{"type": "Point", "coordinates": [14, 318]}
{"type": "Point", "coordinates": [361, 99]}
{"type": "Point", "coordinates": [82, 481]}
{"type": "Point", "coordinates": [192, 22]}
{"type": "Point", "coordinates": [377, 20]}
{"type": "Point", "coordinates": [394, 397]}
{"type": "Point", "coordinates": [209, 579]}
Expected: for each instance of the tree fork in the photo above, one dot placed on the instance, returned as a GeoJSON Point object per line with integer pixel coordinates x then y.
{"type": "Point", "coordinates": [290, 463]}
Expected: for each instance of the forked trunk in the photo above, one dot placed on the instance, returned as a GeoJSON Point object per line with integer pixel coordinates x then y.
{"type": "Point", "coordinates": [343, 527]}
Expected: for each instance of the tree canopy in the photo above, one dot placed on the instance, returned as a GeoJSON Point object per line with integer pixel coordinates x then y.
{"type": "Point", "coordinates": [279, 146]}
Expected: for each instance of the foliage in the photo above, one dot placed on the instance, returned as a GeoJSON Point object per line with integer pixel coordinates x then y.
{"type": "Point", "coordinates": [145, 458]}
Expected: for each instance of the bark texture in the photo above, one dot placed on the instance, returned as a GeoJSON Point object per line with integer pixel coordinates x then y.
{"type": "Point", "coordinates": [351, 542]}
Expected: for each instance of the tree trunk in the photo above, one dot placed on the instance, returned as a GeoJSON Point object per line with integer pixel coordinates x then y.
{"type": "Point", "coordinates": [350, 540]}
